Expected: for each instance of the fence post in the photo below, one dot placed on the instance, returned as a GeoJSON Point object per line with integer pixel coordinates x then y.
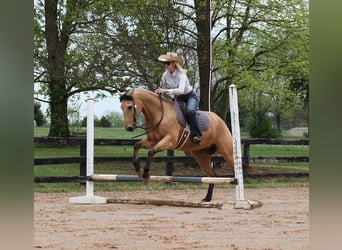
{"type": "Point", "coordinates": [83, 162]}
{"type": "Point", "coordinates": [246, 149]}
{"type": "Point", "coordinates": [169, 164]}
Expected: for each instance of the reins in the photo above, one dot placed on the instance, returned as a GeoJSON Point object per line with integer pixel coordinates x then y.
{"type": "Point", "coordinates": [152, 127]}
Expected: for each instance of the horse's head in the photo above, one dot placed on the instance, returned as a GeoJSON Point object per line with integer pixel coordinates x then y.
{"type": "Point", "coordinates": [129, 110]}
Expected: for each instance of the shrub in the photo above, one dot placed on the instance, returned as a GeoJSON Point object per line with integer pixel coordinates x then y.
{"type": "Point", "coordinates": [104, 122]}
{"type": "Point", "coordinates": [260, 126]}
{"type": "Point", "coordinates": [38, 117]}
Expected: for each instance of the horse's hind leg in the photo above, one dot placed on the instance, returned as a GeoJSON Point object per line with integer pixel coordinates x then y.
{"type": "Point", "coordinates": [203, 158]}
{"type": "Point", "coordinates": [226, 150]}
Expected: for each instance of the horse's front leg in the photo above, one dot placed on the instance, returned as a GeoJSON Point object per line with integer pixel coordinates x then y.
{"type": "Point", "coordinates": [146, 174]}
{"type": "Point", "coordinates": [136, 159]}
{"type": "Point", "coordinates": [162, 145]}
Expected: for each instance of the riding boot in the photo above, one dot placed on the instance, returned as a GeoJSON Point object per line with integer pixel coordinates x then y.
{"type": "Point", "coordinates": [195, 131]}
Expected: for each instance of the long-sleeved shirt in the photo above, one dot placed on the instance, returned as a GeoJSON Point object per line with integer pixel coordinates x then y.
{"type": "Point", "coordinates": [177, 82]}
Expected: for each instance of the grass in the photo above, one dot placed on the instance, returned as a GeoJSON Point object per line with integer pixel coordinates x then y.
{"type": "Point", "coordinates": [279, 150]}
{"type": "Point", "coordinates": [156, 169]}
{"type": "Point", "coordinates": [107, 133]}
{"type": "Point", "coordinates": [41, 151]}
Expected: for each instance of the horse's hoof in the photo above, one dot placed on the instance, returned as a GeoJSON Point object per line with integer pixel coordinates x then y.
{"type": "Point", "coordinates": [205, 200]}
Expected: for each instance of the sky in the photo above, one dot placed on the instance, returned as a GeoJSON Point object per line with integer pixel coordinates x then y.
{"type": "Point", "coordinates": [102, 106]}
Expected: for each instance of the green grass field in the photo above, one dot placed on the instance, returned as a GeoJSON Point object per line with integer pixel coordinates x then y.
{"type": "Point", "coordinates": [42, 151]}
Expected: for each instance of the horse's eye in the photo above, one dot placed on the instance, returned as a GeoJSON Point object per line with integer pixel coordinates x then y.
{"type": "Point", "coordinates": [129, 107]}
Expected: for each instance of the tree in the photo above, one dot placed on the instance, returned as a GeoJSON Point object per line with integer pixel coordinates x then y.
{"type": "Point", "coordinates": [96, 122]}
{"type": "Point", "coordinates": [112, 44]}
{"type": "Point", "coordinates": [104, 122]}
{"type": "Point", "coordinates": [115, 119]}
{"type": "Point", "coordinates": [38, 115]}
{"type": "Point", "coordinates": [258, 43]}
{"type": "Point", "coordinates": [260, 126]}
{"type": "Point", "coordinates": [70, 55]}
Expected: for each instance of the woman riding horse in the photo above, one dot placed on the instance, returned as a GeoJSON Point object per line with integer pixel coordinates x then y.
{"type": "Point", "coordinates": [175, 82]}
{"type": "Point", "coordinates": [163, 132]}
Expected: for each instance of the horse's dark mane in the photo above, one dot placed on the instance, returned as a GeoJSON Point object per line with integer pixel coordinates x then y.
{"type": "Point", "coordinates": [126, 97]}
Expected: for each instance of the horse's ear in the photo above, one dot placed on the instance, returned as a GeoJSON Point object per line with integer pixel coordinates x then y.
{"type": "Point", "coordinates": [120, 93]}
{"type": "Point", "coordinates": [124, 96]}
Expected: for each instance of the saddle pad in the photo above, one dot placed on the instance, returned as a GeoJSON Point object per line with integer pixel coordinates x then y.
{"type": "Point", "coordinates": [202, 117]}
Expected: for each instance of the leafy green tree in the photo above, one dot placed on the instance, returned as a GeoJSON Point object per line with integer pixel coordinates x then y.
{"type": "Point", "coordinates": [258, 43]}
{"type": "Point", "coordinates": [71, 55]}
{"type": "Point", "coordinates": [38, 117]}
{"type": "Point", "coordinates": [96, 122]}
{"type": "Point", "coordinates": [260, 126]}
{"type": "Point", "coordinates": [104, 122]}
{"type": "Point", "coordinates": [84, 46]}
{"type": "Point", "coordinates": [116, 119]}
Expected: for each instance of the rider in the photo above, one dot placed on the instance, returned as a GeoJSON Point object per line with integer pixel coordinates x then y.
{"type": "Point", "coordinates": [175, 82]}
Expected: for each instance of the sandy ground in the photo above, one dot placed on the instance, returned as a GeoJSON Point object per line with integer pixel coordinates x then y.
{"type": "Point", "coordinates": [281, 223]}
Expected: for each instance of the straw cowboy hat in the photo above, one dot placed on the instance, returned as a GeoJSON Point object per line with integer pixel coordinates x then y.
{"type": "Point", "coordinates": [170, 57]}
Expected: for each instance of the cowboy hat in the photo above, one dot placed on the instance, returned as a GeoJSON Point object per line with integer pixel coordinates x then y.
{"type": "Point", "coordinates": [170, 57]}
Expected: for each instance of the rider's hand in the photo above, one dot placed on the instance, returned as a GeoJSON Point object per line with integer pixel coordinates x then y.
{"type": "Point", "coordinates": [160, 91]}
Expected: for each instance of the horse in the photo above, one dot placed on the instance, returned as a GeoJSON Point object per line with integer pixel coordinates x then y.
{"type": "Point", "coordinates": [163, 132]}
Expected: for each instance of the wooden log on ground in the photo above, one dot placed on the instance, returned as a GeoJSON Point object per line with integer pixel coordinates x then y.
{"type": "Point", "coordinates": [165, 203]}
{"type": "Point", "coordinates": [245, 204]}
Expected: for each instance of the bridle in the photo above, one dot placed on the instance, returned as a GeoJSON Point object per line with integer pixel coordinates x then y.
{"type": "Point", "coordinates": [135, 114]}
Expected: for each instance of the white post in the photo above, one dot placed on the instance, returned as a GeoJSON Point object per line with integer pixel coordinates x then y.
{"type": "Point", "coordinates": [234, 114]}
{"type": "Point", "coordinates": [89, 197]}
{"type": "Point", "coordinates": [90, 145]}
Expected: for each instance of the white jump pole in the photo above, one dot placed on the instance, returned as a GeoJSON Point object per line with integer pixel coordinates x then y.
{"type": "Point", "coordinates": [89, 197]}
{"type": "Point", "coordinates": [234, 117]}
{"type": "Point", "coordinates": [240, 201]}
{"type": "Point", "coordinates": [234, 114]}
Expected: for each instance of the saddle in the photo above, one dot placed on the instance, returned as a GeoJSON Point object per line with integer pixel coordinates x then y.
{"type": "Point", "coordinates": [202, 117]}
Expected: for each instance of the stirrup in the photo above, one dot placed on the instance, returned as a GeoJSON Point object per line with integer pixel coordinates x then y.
{"type": "Point", "coordinates": [196, 139]}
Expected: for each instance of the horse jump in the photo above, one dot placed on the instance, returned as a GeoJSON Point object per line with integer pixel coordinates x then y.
{"type": "Point", "coordinates": [236, 147]}
{"type": "Point", "coordinates": [163, 132]}
{"type": "Point", "coordinates": [166, 179]}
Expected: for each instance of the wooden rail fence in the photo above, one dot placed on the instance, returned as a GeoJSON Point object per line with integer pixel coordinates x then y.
{"type": "Point", "coordinates": [169, 159]}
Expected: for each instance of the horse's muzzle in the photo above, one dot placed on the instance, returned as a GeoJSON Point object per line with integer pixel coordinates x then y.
{"type": "Point", "coordinates": [130, 127]}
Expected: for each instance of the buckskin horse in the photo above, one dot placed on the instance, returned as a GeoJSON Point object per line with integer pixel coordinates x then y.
{"type": "Point", "coordinates": [164, 131]}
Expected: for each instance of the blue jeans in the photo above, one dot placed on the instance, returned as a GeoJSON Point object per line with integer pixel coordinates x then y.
{"type": "Point", "coordinates": [191, 101]}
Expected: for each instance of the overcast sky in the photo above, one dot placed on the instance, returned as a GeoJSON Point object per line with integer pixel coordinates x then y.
{"type": "Point", "coordinates": [101, 106]}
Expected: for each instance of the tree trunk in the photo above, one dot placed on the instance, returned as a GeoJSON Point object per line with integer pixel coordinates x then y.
{"type": "Point", "coordinates": [202, 53]}
{"type": "Point", "coordinates": [56, 48]}
{"type": "Point", "coordinates": [59, 126]}
{"type": "Point", "coordinates": [224, 105]}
